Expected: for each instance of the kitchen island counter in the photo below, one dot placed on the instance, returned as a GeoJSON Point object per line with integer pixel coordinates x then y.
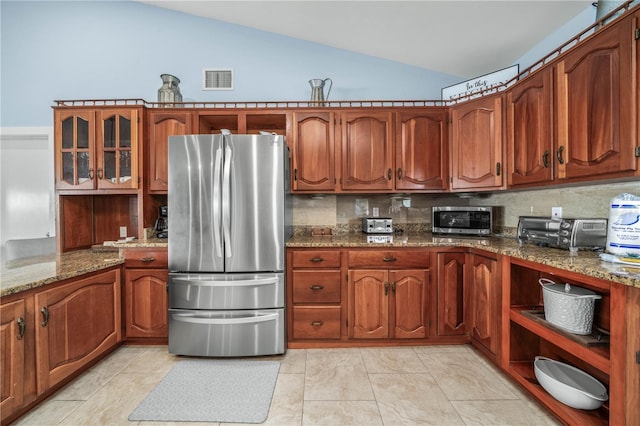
{"type": "Point", "coordinates": [26, 274]}
{"type": "Point", "coordinates": [584, 262]}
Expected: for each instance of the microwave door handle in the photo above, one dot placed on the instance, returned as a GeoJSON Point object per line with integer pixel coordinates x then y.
{"type": "Point", "coordinates": [217, 237]}
{"type": "Point", "coordinates": [226, 199]}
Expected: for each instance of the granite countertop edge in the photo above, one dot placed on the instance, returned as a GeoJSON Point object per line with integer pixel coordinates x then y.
{"type": "Point", "coordinates": [32, 273]}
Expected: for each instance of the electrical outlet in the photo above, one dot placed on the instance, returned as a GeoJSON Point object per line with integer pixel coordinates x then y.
{"type": "Point", "coordinates": [123, 232]}
{"type": "Point", "coordinates": [556, 212]}
{"type": "Point", "coordinates": [376, 212]}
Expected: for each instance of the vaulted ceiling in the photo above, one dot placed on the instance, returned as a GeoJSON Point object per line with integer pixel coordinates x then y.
{"type": "Point", "coordinates": [462, 38]}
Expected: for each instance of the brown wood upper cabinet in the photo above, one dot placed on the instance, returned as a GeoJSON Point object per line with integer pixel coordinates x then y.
{"type": "Point", "coordinates": [97, 148]}
{"type": "Point", "coordinates": [596, 107]}
{"type": "Point", "coordinates": [313, 156]}
{"type": "Point", "coordinates": [421, 150]}
{"type": "Point", "coordinates": [367, 150]}
{"type": "Point", "coordinates": [529, 117]}
{"type": "Point", "coordinates": [476, 145]}
{"type": "Point", "coordinates": [163, 124]}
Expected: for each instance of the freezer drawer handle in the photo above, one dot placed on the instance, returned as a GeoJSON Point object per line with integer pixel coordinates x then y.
{"type": "Point", "coordinates": [193, 318]}
{"type": "Point", "coordinates": [246, 283]}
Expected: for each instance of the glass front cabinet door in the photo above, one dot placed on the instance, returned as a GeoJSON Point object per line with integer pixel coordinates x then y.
{"type": "Point", "coordinates": [96, 149]}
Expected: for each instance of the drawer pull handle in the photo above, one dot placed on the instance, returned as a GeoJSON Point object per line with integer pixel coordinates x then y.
{"type": "Point", "coordinates": [45, 316]}
{"type": "Point", "coordinates": [389, 259]}
{"type": "Point", "coordinates": [147, 259]}
{"type": "Point", "coordinates": [22, 327]}
{"type": "Point", "coordinates": [316, 259]}
{"type": "Point", "coordinates": [316, 287]}
{"type": "Point", "coordinates": [317, 323]}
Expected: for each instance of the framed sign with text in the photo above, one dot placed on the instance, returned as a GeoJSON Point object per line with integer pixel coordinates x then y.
{"type": "Point", "coordinates": [478, 84]}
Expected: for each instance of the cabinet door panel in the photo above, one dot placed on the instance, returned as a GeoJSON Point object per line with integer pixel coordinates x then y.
{"type": "Point", "coordinates": [74, 137]}
{"type": "Point", "coordinates": [368, 304]}
{"type": "Point", "coordinates": [595, 112]}
{"type": "Point", "coordinates": [486, 304]}
{"type": "Point", "coordinates": [82, 320]}
{"type": "Point", "coordinates": [146, 303]}
{"type": "Point", "coordinates": [367, 162]}
{"type": "Point", "coordinates": [476, 148]}
{"type": "Point", "coordinates": [12, 362]}
{"type": "Point", "coordinates": [161, 126]}
{"type": "Point", "coordinates": [421, 142]}
{"type": "Point", "coordinates": [409, 315]}
{"type": "Point", "coordinates": [313, 152]}
{"type": "Point", "coordinates": [117, 149]}
{"type": "Point", "coordinates": [451, 294]}
{"type": "Point", "coordinates": [530, 130]}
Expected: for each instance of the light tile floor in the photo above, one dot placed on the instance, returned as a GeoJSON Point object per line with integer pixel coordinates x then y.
{"type": "Point", "coordinates": [427, 385]}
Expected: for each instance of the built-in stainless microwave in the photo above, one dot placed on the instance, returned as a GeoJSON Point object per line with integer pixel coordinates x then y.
{"type": "Point", "coordinates": [469, 220]}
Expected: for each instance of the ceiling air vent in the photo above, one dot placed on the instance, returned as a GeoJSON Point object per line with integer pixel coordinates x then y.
{"type": "Point", "coordinates": [217, 79]}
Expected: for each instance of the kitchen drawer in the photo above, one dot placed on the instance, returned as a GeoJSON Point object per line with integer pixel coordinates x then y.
{"type": "Point", "coordinates": [316, 259]}
{"type": "Point", "coordinates": [145, 258]}
{"type": "Point", "coordinates": [316, 286]}
{"type": "Point", "coordinates": [388, 259]}
{"type": "Point", "coordinates": [317, 322]}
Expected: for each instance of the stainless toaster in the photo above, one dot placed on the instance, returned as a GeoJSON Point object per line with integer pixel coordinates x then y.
{"type": "Point", "coordinates": [563, 233]}
{"type": "Point", "coordinates": [377, 225]}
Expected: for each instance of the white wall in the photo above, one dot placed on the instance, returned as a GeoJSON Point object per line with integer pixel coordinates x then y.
{"type": "Point", "coordinates": [27, 203]}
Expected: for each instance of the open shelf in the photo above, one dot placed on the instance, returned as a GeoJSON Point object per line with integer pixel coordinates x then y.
{"type": "Point", "coordinates": [530, 335]}
{"type": "Point", "coordinates": [598, 356]}
{"type": "Point", "coordinates": [523, 373]}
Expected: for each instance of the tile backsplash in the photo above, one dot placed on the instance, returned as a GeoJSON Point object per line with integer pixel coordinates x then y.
{"type": "Point", "coordinates": [344, 212]}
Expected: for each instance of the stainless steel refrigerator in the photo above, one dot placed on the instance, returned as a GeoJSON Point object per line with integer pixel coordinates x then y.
{"type": "Point", "coordinates": [229, 220]}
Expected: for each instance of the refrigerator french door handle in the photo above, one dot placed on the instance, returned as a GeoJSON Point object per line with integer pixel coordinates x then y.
{"type": "Point", "coordinates": [235, 283]}
{"type": "Point", "coordinates": [194, 318]}
{"type": "Point", "coordinates": [216, 205]}
{"type": "Point", "coordinates": [226, 200]}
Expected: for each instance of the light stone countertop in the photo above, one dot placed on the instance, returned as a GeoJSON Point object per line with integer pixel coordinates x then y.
{"type": "Point", "coordinates": [31, 273]}
{"type": "Point", "coordinates": [584, 262]}
{"type": "Point", "coordinates": [25, 274]}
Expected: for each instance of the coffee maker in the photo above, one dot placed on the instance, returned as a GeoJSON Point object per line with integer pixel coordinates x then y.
{"type": "Point", "coordinates": [161, 226]}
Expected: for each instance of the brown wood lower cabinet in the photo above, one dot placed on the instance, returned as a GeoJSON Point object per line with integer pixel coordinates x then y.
{"type": "Point", "coordinates": [388, 304]}
{"type": "Point", "coordinates": [12, 341]}
{"type": "Point", "coordinates": [453, 295]}
{"type": "Point", "coordinates": [314, 298]}
{"type": "Point", "coordinates": [485, 296]}
{"type": "Point", "coordinates": [79, 322]}
{"type": "Point", "coordinates": [145, 293]}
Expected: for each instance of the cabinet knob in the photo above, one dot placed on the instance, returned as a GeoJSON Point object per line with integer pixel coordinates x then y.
{"type": "Point", "coordinates": [389, 259]}
{"type": "Point", "coordinates": [317, 323]}
{"type": "Point", "coordinates": [91, 173]}
{"type": "Point", "coordinates": [147, 259]}
{"type": "Point", "coordinates": [386, 288]}
{"type": "Point", "coordinates": [316, 259]}
{"type": "Point", "coordinates": [316, 287]}
{"type": "Point", "coordinates": [498, 168]}
{"type": "Point", "coordinates": [100, 175]}
{"type": "Point", "coordinates": [389, 174]}
{"type": "Point", "coordinates": [399, 173]}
